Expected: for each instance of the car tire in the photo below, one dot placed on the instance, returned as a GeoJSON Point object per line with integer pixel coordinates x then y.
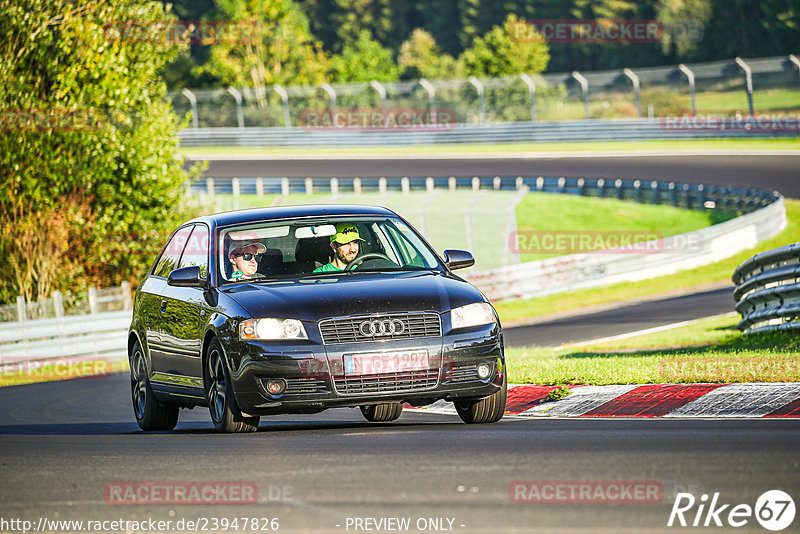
{"type": "Point", "coordinates": [382, 412]}
{"type": "Point", "coordinates": [225, 413]}
{"type": "Point", "coordinates": [150, 413]}
{"type": "Point", "coordinates": [486, 410]}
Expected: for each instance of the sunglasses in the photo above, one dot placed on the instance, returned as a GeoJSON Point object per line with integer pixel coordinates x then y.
{"type": "Point", "coordinates": [247, 256]}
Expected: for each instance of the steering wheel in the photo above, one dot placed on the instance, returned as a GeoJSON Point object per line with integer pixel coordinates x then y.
{"type": "Point", "coordinates": [361, 259]}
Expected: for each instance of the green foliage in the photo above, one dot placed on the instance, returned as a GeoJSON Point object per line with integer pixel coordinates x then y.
{"type": "Point", "coordinates": [557, 394]}
{"type": "Point", "coordinates": [420, 57]}
{"type": "Point", "coordinates": [499, 53]}
{"type": "Point", "coordinates": [363, 61]}
{"type": "Point", "coordinates": [281, 50]}
{"type": "Point", "coordinates": [88, 173]}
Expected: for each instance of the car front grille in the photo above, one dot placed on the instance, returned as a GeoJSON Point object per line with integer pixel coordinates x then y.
{"type": "Point", "coordinates": [301, 386]}
{"type": "Point", "coordinates": [349, 329]}
{"type": "Point", "coordinates": [462, 373]}
{"type": "Point", "coordinates": [388, 382]}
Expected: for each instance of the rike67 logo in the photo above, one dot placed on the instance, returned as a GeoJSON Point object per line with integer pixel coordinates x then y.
{"type": "Point", "coordinates": [774, 510]}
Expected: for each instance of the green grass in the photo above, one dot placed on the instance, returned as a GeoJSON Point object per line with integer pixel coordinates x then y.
{"type": "Point", "coordinates": [721, 271]}
{"type": "Point", "coordinates": [605, 146]}
{"type": "Point", "coordinates": [709, 350]}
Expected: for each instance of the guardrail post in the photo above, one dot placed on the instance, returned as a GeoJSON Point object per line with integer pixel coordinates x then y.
{"type": "Point", "coordinates": [382, 188]}
{"type": "Point", "coordinates": [287, 121]}
{"type": "Point", "coordinates": [192, 102]}
{"type": "Point", "coordinates": [601, 187]}
{"type": "Point", "coordinates": [431, 98]}
{"type": "Point", "coordinates": [21, 313]}
{"type": "Point", "coordinates": [285, 187]}
{"type": "Point", "coordinates": [127, 302]}
{"type": "Point", "coordinates": [334, 186]}
{"type": "Point", "coordinates": [476, 183]}
{"type": "Point", "coordinates": [702, 199]}
{"type": "Point", "coordinates": [479, 88]}
{"type": "Point", "coordinates": [636, 90]}
{"type": "Point", "coordinates": [451, 183]}
{"type": "Point", "coordinates": [637, 191]}
{"type": "Point", "coordinates": [620, 190]}
{"type": "Point", "coordinates": [531, 95]}
{"type": "Point", "coordinates": [357, 185]}
{"type": "Point", "coordinates": [520, 182]}
{"type": "Point", "coordinates": [235, 189]}
{"type": "Point", "coordinates": [584, 90]}
{"type": "Point", "coordinates": [429, 184]}
{"type": "Point", "coordinates": [309, 185]}
{"type": "Point", "coordinates": [540, 183]}
{"type": "Point", "coordinates": [404, 185]}
{"type": "Point", "coordinates": [496, 183]}
{"type": "Point", "coordinates": [581, 187]}
{"type": "Point", "coordinates": [656, 195]}
{"type": "Point", "coordinates": [794, 59]}
{"type": "Point", "coordinates": [210, 186]}
{"type": "Point", "coordinates": [687, 195]}
{"type": "Point", "coordinates": [260, 186]}
{"type": "Point", "coordinates": [58, 303]}
{"type": "Point", "coordinates": [748, 76]}
{"type": "Point", "coordinates": [673, 194]}
{"type": "Point", "coordinates": [562, 184]}
{"type": "Point", "coordinates": [92, 294]}
{"type": "Point", "coordinates": [239, 113]}
{"type": "Point", "coordinates": [690, 77]}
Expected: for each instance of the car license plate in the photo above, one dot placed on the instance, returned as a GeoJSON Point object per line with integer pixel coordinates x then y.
{"type": "Point", "coordinates": [386, 362]}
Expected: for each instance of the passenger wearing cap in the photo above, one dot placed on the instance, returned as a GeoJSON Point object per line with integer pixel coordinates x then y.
{"type": "Point", "coordinates": [345, 248]}
{"type": "Point", "coordinates": [244, 256]}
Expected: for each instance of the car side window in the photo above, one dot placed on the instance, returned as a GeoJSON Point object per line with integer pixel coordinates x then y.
{"type": "Point", "coordinates": [170, 256]}
{"type": "Point", "coordinates": [196, 250]}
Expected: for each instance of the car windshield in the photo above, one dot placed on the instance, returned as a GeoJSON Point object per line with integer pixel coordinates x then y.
{"type": "Point", "coordinates": [282, 249]}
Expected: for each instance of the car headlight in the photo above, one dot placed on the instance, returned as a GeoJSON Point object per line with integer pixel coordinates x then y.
{"type": "Point", "coordinates": [472, 315]}
{"type": "Point", "coordinates": [272, 329]}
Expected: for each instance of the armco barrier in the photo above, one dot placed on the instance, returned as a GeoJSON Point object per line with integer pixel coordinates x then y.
{"type": "Point", "coordinates": [667, 256]}
{"type": "Point", "coordinates": [552, 131]}
{"type": "Point", "coordinates": [768, 290]}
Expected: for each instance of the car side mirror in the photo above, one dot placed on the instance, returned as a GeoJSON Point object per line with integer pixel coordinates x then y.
{"type": "Point", "coordinates": [458, 259]}
{"type": "Point", "coordinates": [186, 277]}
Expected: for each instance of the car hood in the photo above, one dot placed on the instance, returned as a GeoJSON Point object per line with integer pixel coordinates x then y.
{"type": "Point", "coordinates": [322, 297]}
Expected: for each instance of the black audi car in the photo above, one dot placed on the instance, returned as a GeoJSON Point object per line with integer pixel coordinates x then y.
{"type": "Point", "coordinates": [303, 308]}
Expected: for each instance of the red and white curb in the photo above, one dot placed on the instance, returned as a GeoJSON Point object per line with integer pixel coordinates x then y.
{"type": "Point", "coordinates": [651, 400]}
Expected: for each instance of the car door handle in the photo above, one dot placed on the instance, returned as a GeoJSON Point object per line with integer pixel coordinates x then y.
{"type": "Point", "coordinates": [163, 306]}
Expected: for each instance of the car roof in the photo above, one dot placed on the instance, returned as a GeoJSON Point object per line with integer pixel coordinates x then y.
{"type": "Point", "coordinates": [283, 212]}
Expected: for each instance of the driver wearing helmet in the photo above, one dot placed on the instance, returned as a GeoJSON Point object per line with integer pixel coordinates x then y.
{"type": "Point", "coordinates": [345, 248]}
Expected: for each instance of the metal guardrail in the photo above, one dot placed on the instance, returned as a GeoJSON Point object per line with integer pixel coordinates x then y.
{"type": "Point", "coordinates": [767, 290]}
{"type": "Point", "coordinates": [515, 132]}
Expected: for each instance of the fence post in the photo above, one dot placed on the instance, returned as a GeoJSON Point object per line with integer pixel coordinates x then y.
{"type": "Point", "coordinates": [531, 95]}
{"type": "Point", "coordinates": [636, 90]}
{"type": "Point", "coordinates": [748, 75]}
{"type": "Point", "coordinates": [584, 89]}
{"type": "Point", "coordinates": [794, 59]}
{"type": "Point", "coordinates": [479, 87]}
{"type": "Point", "coordinates": [357, 185]}
{"type": "Point", "coordinates": [382, 185]}
{"type": "Point", "coordinates": [309, 185]}
{"type": "Point", "coordinates": [429, 184]}
{"type": "Point", "coordinates": [92, 300]}
{"type": "Point", "coordinates": [476, 183]}
{"type": "Point", "coordinates": [192, 102]}
{"type": "Point", "coordinates": [260, 186]}
{"type": "Point", "coordinates": [285, 187]}
{"type": "Point", "coordinates": [496, 183]}
{"type": "Point", "coordinates": [58, 303]}
{"type": "Point", "coordinates": [690, 77]}
{"type": "Point", "coordinates": [382, 93]}
{"type": "Point", "coordinates": [287, 121]}
{"type": "Point", "coordinates": [519, 182]}
{"type": "Point", "coordinates": [127, 303]}
{"type": "Point", "coordinates": [332, 95]}
{"type": "Point", "coordinates": [236, 191]}
{"type": "Point", "coordinates": [239, 114]}
{"type": "Point", "coordinates": [451, 183]}
{"type": "Point", "coordinates": [334, 186]}
{"type": "Point", "coordinates": [21, 313]}
{"type": "Point", "coordinates": [431, 98]}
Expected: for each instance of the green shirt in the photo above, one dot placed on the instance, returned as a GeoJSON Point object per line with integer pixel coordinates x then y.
{"type": "Point", "coordinates": [328, 268]}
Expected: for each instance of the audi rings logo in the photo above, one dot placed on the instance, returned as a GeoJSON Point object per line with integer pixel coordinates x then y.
{"type": "Point", "coordinates": [381, 327]}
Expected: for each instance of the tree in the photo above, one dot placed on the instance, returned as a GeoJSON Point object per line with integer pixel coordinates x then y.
{"type": "Point", "coordinates": [89, 179]}
{"type": "Point", "coordinates": [279, 50]}
{"type": "Point", "coordinates": [420, 57]}
{"type": "Point", "coordinates": [363, 61]}
{"type": "Point", "coordinates": [499, 53]}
